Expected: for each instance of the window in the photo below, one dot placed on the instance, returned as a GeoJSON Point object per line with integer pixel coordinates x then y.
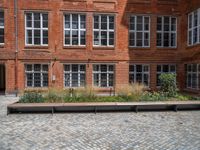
{"type": "Point", "coordinates": [1, 27]}
{"type": "Point", "coordinates": [194, 27]}
{"type": "Point", "coordinates": [139, 73]}
{"type": "Point", "coordinates": [103, 75]}
{"type": "Point", "coordinates": [165, 69]}
{"type": "Point", "coordinates": [74, 75]}
{"type": "Point", "coordinates": [139, 31]}
{"type": "Point", "coordinates": [74, 29]}
{"type": "Point", "coordinates": [103, 30]}
{"type": "Point", "coordinates": [193, 76]}
{"type": "Point", "coordinates": [36, 75]}
{"type": "Point", "coordinates": [166, 31]}
{"type": "Point", "coordinates": [36, 28]}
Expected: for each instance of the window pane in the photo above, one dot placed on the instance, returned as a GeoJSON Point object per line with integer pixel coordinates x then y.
{"type": "Point", "coordinates": [139, 68]}
{"type": "Point", "coordinates": [139, 23]}
{"type": "Point", "coordinates": [165, 68]}
{"type": "Point", "coordinates": [45, 79]}
{"type": "Point", "coordinates": [67, 80]}
{"type": "Point", "coordinates": [37, 67]}
{"type": "Point", "coordinates": [1, 35]}
{"type": "Point", "coordinates": [45, 20]}
{"type": "Point", "coordinates": [82, 80]}
{"type": "Point", "coordinates": [29, 37]}
{"type": "Point", "coordinates": [96, 79]}
{"type": "Point", "coordinates": [29, 79]}
{"type": "Point", "coordinates": [37, 80]}
{"type": "Point", "coordinates": [45, 68]}
{"type": "Point", "coordinates": [132, 23]}
{"type": "Point", "coordinates": [103, 80]}
{"type": "Point", "coordinates": [82, 38]}
{"type": "Point", "coordinates": [96, 68]}
{"type": "Point", "coordinates": [103, 68]}
{"type": "Point", "coordinates": [74, 37]}
{"type": "Point", "coordinates": [82, 68]}
{"type": "Point", "coordinates": [45, 36]}
{"type": "Point", "coordinates": [82, 18]}
{"type": "Point", "coordinates": [96, 38]}
{"type": "Point", "coordinates": [36, 20]}
{"type": "Point", "coordinates": [103, 38]}
{"type": "Point", "coordinates": [159, 39]}
{"type": "Point", "coordinates": [111, 80]}
{"type": "Point", "coordinates": [159, 24]}
{"type": "Point", "coordinates": [37, 37]}
{"type": "Point", "coordinates": [28, 20]}
{"type": "Point", "coordinates": [67, 21]}
{"type": "Point", "coordinates": [103, 22]}
{"type": "Point", "coordinates": [74, 79]}
{"type": "Point", "coordinates": [67, 37]}
{"type": "Point", "coordinates": [74, 21]}
{"type": "Point", "coordinates": [74, 68]}
{"type": "Point", "coordinates": [28, 67]}
{"type": "Point", "coordinates": [96, 22]}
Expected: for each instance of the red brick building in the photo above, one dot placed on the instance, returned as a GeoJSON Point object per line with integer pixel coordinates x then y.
{"type": "Point", "coordinates": [100, 43]}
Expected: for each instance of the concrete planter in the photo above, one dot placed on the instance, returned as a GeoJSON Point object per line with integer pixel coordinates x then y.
{"type": "Point", "coordinates": [102, 107]}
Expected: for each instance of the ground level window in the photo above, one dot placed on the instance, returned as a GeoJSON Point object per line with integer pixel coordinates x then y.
{"type": "Point", "coordinates": [36, 75]}
{"type": "Point", "coordinates": [193, 76]}
{"type": "Point", "coordinates": [139, 73]}
{"type": "Point", "coordinates": [103, 75]}
{"type": "Point", "coordinates": [165, 69]}
{"type": "Point", "coordinates": [74, 75]}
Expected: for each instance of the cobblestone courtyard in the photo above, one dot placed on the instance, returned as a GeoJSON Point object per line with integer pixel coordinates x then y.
{"type": "Point", "coordinates": [89, 131]}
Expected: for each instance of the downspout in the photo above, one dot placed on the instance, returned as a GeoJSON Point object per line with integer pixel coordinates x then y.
{"type": "Point", "coordinates": [16, 45]}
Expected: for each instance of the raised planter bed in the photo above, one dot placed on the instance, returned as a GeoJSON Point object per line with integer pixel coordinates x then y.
{"type": "Point", "coordinates": [102, 107]}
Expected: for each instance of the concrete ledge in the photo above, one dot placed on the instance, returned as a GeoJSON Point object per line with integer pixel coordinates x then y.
{"type": "Point", "coordinates": [101, 107]}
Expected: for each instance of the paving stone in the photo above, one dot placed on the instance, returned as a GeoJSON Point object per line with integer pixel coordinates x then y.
{"type": "Point", "coordinates": [101, 131]}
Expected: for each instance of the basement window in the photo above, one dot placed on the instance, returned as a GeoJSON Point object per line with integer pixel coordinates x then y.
{"type": "Point", "coordinates": [139, 31]}
{"type": "Point", "coordinates": [74, 75]}
{"type": "Point", "coordinates": [1, 27]}
{"type": "Point", "coordinates": [166, 31]}
{"type": "Point", "coordinates": [103, 75]}
{"type": "Point", "coordinates": [103, 30]}
{"type": "Point", "coordinates": [74, 30]}
{"type": "Point", "coordinates": [194, 27]}
{"type": "Point", "coordinates": [36, 75]}
{"type": "Point", "coordinates": [36, 29]}
{"type": "Point", "coordinates": [139, 74]}
{"type": "Point", "coordinates": [165, 69]}
{"type": "Point", "coordinates": [193, 76]}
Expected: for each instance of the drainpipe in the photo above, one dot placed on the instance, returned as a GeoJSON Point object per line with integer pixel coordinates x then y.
{"type": "Point", "coordinates": [16, 45]}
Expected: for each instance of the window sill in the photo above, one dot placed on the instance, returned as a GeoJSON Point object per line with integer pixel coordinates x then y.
{"type": "Point", "coordinates": [139, 48]}
{"type": "Point", "coordinates": [36, 47]}
{"type": "Point", "coordinates": [191, 46]}
{"type": "Point", "coordinates": [166, 48]}
{"type": "Point", "coordinates": [29, 89]}
{"type": "Point", "coordinates": [2, 45]}
{"type": "Point", "coordinates": [74, 47]}
{"type": "Point", "coordinates": [103, 48]}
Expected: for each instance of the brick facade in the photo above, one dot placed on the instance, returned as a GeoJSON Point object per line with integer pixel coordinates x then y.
{"type": "Point", "coordinates": [56, 54]}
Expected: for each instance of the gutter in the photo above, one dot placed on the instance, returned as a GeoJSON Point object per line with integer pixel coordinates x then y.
{"type": "Point", "coordinates": [16, 44]}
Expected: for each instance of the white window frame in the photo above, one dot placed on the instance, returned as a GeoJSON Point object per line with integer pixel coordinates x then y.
{"type": "Point", "coordinates": [104, 30]}
{"type": "Point", "coordinates": [142, 73]}
{"type": "Point", "coordinates": [33, 29]}
{"type": "Point", "coordinates": [3, 27]}
{"type": "Point", "coordinates": [158, 73]}
{"type": "Point", "coordinates": [33, 72]}
{"type": "Point", "coordinates": [70, 29]}
{"type": "Point", "coordinates": [136, 30]}
{"type": "Point", "coordinates": [192, 28]}
{"type": "Point", "coordinates": [169, 32]}
{"type": "Point", "coordinates": [70, 73]}
{"type": "Point", "coordinates": [191, 73]}
{"type": "Point", "coordinates": [107, 75]}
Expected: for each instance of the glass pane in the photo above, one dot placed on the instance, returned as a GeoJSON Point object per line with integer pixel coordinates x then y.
{"type": "Point", "coordinates": [74, 79]}
{"type": "Point", "coordinates": [146, 23]}
{"type": "Point", "coordinates": [103, 38]}
{"type": "Point", "coordinates": [37, 80]}
{"type": "Point", "coordinates": [45, 20]}
{"type": "Point", "coordinates": [95, 67]}
{"type": "Point", "coordinates": [82, 80]}
{"type": "Point", "coordinates": [103, 80]}
{"type": "Point", "coordinates": [45, 68]}
{"type": "Point", "coordinates": [74, 37]}
{"type": "Point", "coordinates": [37, 37]}
{"type": "Point", "coordinates": [111, 80]}
{"type": "Point", "coordinates": [172, 68]}
{"type": "Point", "coordinates": [165, 68]}
{"type": "Point", "coordinates": [145, 68]}
{"type": "Point", "coordinates": [139, 77]}
{"type": "Point", "coordinates": [82, 38]}
{"type": "Point", "coordinates": [29, 68]}
{"type": "Point", "coordinates": [103, 68]}
{"type": "Point", "coordinates": [166, 39]}
{"type": "Point", "coordinates": [74, 68]}
{"type": "Point", "coordinates": [96, 38]}
{"type": "Point", "coordinates": [82, 68]}
{"type": "Point", "coordinates": [37, 67]}
{"type": "Point", "coordinates": [45, 36]}
{"type": "Point", "coordinates": [139, 23]}
{"type": "Point", "coordinates": [96, 79]}
{"type": "Point", "coordinates": [159, 39]}
{"type": "Point", "coordinates": [96, 22]}
{"type": "Point", "coordinates": [29, 79]}
{"type": "Point", "coordinates": [131, 78]}
{"type": "Point", "coordinates": [159, 23]}
{"type": "Point", "coordinates": [132, 23]}
{"type": "Point", "coordinates": [36, 20]}
{"type": "Point", "coordinates": [131, 68]}
{"type": "Point", "coordinates": [45, 79]}
{"type": "Point", "coordinates": [67, 21]}
{"type": "Point", "coordinates": [139, 68]}
{"type": "Point", "coordinates": [67, 67]}
{"type": "Point", "coordinates": [132, 39]}
{"type": "Point", "coordinates": [111, 68]}
{"type": "Point", "coordinates": [173, 39]}
{"type": "Point", "coordinates": [29, 37]}
{"type": "Point", "coordinates": [74, 21]}
{"type": "Point", "coordinates": [67, 37]}
{"type": "Point", "coordinates": [29, 20]}
{"type": "Point", "coordinates": [146, 79]}
{"type": "Point", "coordinates": [159, 68]}
{"type": "Point", "coordinates": [83, 20]}
{"type": "Point", "coordinates": [67, 80]}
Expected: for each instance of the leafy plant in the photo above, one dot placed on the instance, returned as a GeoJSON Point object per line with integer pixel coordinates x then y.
{"type": "Point", "coordinates": [168, 84]}
{"type": "Point", "coordinates": [32, 97]}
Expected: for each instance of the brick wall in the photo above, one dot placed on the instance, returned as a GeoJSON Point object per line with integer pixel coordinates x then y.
{"type": "Point", "coordinates": [55, 54]}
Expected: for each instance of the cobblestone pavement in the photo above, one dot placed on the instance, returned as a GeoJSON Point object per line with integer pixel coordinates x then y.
{"type": "Point", "coordinates": [109, 131]}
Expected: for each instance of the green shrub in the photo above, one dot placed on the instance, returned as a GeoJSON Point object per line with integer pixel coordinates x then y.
{"type": "Point", "coordinates": [32, 97]}
{"type": "Point", "coordinates": [168, 84]}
